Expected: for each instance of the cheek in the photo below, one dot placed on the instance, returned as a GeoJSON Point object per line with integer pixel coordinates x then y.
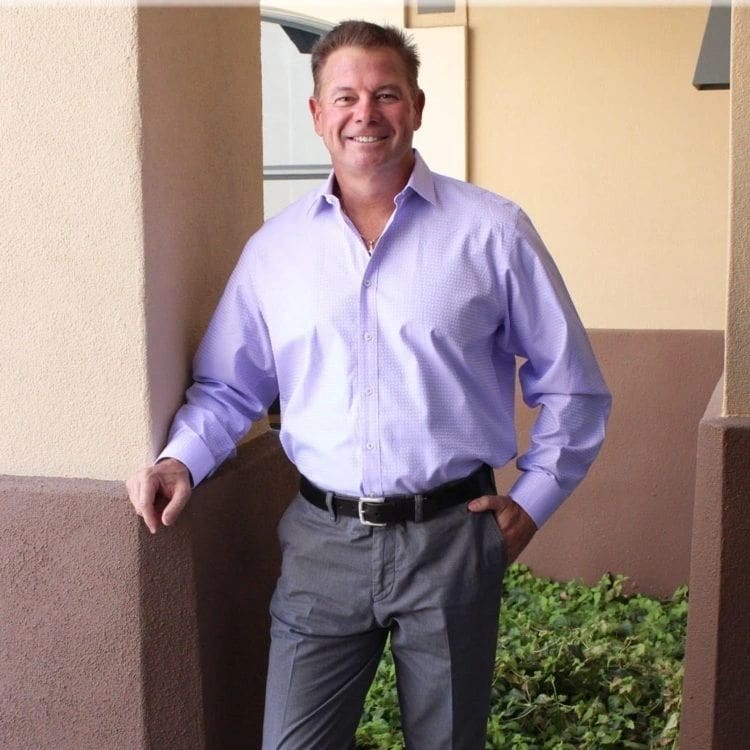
{"type": "Point", "coordinates": [328, 125]}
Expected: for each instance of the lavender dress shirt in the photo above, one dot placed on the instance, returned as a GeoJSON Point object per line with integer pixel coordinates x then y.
{"type": "Point", "coordinates": [396, 372]}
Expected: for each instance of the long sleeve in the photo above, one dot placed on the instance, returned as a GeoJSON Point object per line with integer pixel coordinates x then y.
{"type": "Point", "coordinates": [234, 380]}
{"type": "Point", "coordinates": [560, 376]}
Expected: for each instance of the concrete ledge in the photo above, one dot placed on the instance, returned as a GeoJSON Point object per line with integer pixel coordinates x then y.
{"type": "Point", "coordinates": [717, 661]}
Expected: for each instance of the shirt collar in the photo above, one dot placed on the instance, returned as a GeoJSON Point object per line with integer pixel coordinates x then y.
{"type": "Point", "coordinates": [421, 181]}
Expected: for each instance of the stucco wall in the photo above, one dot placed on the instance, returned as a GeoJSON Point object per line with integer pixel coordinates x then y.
{"type": "Point", "coordinates": [72, 353]}
{"type": "Point", "coordinates": [633, 513]}
{"type": "Point", "coordinates": [131, 174]}
{"type": "Point", "coordinates": [737, 368]}
{"type": "Point", "coordinates": [717, 666]}
{"type": "Point", "coordinates": [130, 170]}
{"type": "Point", "coordinates": [199, 71]}
{"type": "Point", "coordinates": [588, 118]}
{"type": "Point", "coordinates": [71, 675]}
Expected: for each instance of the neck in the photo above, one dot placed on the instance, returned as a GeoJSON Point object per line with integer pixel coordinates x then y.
{"type": "Point", "coordinates": [367, 199]}
{"type": "Point", "coordinates": [365, 192]}
{"type": "Point", "coordinates": [369, 212]}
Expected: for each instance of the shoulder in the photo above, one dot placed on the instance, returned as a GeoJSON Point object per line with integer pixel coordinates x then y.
{"type": "Point", "coordinates": [281, 234]}
{"type": "Point", "coordinates": [489, 219]}
{"type": "Point", "coordinates": [475, 202]}
{"type": "Point", "coordinates": [293, 218]}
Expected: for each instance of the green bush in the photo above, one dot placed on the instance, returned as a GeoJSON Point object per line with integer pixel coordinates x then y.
{"type": "Point", "coordinates": [576, 667]}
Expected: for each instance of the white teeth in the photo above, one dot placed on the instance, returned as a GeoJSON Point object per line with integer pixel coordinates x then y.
{"type": "Point", "coordinates": [365, 138]}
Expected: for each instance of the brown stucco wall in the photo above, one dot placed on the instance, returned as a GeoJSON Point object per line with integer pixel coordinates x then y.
{"type": "Point", "coordinates": [633, 512]}
{"type": "Point", "coordinates": [98, 636]}
{"type": "Point", "coordinates": [233, 519]}
{"type": "Point", "coordinates": [717, 660]}
{"type": "Point", "coordinates": [114, 639]}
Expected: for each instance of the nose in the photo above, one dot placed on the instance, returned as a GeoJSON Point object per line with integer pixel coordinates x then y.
{"type": "Point", "coordinates": [367, 110]}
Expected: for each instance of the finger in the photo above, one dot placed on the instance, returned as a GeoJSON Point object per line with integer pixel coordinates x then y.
{"type": "Point", "coordinates": [487, 502]}
{"type": "Point", "coordinates": [180, 496]}
{"type": "Point", "coordinates": [480, 504]}
{"type": "Point", "coordinates": [146, 500]}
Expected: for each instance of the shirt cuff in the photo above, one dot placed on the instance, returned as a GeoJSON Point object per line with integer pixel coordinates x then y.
{"type": "Point", "coordinates": [538, 494]}
{"type": "Point", "coordinates": [187, 447]}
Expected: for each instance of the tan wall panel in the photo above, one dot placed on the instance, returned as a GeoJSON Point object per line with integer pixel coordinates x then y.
{"type": "Point", "coordinates": [199, 71]}
{"type": "Point", "coordinates": [737, 383]}
{"type": "Point", "coordinates": [588, 118]}
{"type": "Point", "coordinates": [72, 360]}
{"type": "Point", "coordinates": [131, 150]}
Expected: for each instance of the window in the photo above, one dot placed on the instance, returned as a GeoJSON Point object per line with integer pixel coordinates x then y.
{"type": "Point", "coordinates": [294, 157]}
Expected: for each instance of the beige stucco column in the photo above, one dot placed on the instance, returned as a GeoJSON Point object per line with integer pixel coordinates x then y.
{"type": "Point", "coordinates": [130, 170]}
{"type": "Point", "coordinates": [717, 666]}
{"type": "Point", "coordinates": [737, 358]}
{"type": "Point", "coordinates": [130, 174]}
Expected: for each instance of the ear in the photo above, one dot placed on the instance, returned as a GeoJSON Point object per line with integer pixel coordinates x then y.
{"type": "Point", "coordinates": [315, 108]}
{"type": "Point", "coordinates": [418, 108]}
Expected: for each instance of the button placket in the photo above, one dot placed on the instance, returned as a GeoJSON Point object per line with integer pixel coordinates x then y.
{"type": "Point", "coordinates": [368, 379]}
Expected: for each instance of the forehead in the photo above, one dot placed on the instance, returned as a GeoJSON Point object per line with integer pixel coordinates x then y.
{"type": "Point", "coordinates": [351, 66]}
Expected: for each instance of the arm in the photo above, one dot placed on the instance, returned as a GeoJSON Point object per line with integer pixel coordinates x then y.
{"type": "Point", "coordinates": [234, 381]}
{"type": "Point", "coordinates": [560, 376]}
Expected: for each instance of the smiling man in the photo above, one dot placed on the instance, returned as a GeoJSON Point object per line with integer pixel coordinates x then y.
{"type": "Point", "coordinates": [387, 308]}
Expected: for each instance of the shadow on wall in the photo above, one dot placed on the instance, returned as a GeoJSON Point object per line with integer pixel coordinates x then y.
{"type": "Point", "coordinates": [236, 564]}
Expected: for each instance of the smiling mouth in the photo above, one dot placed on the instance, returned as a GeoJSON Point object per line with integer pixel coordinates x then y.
{"type": "Point", "coordinates": [367, 138]}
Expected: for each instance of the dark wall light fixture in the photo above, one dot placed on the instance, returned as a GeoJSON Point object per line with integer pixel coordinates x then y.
{"type": "Point", "coordinates": [712, 70]}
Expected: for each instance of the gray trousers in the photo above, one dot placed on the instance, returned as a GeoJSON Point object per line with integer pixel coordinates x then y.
{"type": "Point", "coordinates": [434, 587]}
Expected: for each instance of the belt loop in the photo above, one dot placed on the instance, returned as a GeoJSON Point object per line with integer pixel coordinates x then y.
{"type": "Point", "coordinates": [418, 499]}
{"type": "Point", "coordinates": [329, 505]}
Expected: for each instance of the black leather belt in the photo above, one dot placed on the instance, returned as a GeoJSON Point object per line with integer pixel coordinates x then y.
{"type": "Point", "coordinates": [381, 511]}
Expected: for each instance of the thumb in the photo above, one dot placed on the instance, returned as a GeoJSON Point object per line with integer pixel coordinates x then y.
{"type": "Point", "coordinates": [481, 504]}
{"type": "Point", "coordinates": [175, 505]}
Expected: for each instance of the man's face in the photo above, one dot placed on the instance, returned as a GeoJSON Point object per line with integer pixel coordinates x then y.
{"type": "Point", "coordinates": [366, 112]}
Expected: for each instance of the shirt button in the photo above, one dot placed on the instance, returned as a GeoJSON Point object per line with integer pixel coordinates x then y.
{"type": "Point", "coordinates": [367, 282]}
{"type": "Point", "coordinates": [368, 337]}
{"type": "Point", "coordinates": [370, 447]}
{"type": "Point", "coordinates": [368, 391]}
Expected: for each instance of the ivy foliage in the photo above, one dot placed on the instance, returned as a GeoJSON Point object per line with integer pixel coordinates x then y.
{"type": "Point", "coordinates": [577, 667]}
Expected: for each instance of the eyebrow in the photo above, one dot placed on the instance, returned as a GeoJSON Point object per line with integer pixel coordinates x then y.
{"type": "Point", "coordinates": [341, 89]}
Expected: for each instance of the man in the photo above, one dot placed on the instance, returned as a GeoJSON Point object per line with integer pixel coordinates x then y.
{"type": "Point", "coordinates": [387, 309]}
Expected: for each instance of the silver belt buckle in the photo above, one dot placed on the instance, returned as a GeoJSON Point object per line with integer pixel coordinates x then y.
{"type": "Point", "coordinates": [361, 510]}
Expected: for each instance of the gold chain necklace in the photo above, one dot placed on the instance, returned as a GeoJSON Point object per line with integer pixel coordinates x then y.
{"type": "Point", "coordinates": [370, 243]}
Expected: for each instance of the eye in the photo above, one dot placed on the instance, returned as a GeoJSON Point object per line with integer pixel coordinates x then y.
{"type": "Point", "coordinates": [343, 99]}
{"type": "Point", "coordinates": [387, 96]}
